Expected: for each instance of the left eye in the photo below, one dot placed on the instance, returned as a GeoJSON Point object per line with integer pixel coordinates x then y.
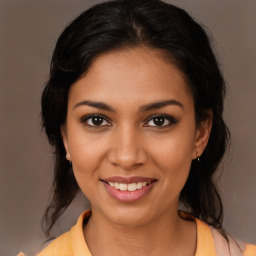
{"type": "Point", "coordinates": [161, 121]}
{"type": "Point", "coordinates": [96, 120]}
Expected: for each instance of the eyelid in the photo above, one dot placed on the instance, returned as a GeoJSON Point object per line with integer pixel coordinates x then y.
{"type": "Point", "coordinates": [171, 119]}
{"type": "Point", "coordinates": [87, 117]}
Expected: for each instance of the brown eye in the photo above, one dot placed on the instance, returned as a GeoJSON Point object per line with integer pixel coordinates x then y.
{"type": "Point", "coordinates": [96, 120]}
{"type": "Point", "coordinates": [161, 121]}
{"type": "Point", "coordinates": [158, 121]}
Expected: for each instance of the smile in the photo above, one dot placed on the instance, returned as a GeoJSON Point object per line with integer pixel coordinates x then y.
{"type": "Point", "coordinates": [128, 189]}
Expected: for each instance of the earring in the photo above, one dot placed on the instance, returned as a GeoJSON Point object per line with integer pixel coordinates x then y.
{"type": "Point", "coordinates": [198, 158]}
{"type": "Point", "coordinates": [69, 158]}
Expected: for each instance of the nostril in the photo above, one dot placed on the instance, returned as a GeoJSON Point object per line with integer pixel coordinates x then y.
{"type": "Point", "coordinates": [127, 159]}
{"type": "Point", "coordinates": [127, 148]}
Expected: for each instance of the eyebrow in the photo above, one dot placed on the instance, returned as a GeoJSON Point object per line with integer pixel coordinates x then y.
{"type": "Point", "coordinates": [147, 107]}
{"type": "Point", "coordinates": [95, 104]}
{"type": "Point", "coordinates": [160, 104]}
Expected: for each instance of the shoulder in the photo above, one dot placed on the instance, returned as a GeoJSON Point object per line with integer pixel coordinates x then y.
{"type": "Point", "coordinates": [60, 246]}
{"type": "Point", "coordinates": [211, 241]}
{"type": "Point", "coordinates": [71, 242]}
{"type": "Point", "coordinates": [250, 250]}
{"type": "Point", "coordinates": [232, 246]}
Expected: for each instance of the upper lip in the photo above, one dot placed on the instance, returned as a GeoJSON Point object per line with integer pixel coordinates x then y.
{"type": "Point", "coordinates": [128, 180]}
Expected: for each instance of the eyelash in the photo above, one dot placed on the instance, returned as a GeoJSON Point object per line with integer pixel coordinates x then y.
{"type": "Point", "coordinates": [88, 117]}
{"type": "Point", "coordinates": [171, 120]}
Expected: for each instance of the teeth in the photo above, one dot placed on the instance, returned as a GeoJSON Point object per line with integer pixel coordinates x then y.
{"type": "Point", "coordinates": [117, 185]}
{"type": "Point", "coordinates": [123, 186]}
{"type": "Point", "coordinates": [128, 187]}
{"type": "Point", "coordinates": [139, 185]}
{"type": "Point", "coordinates": [132, 187]}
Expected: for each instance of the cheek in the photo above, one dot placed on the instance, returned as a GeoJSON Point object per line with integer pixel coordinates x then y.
{"type": "Point", "coordinates": [87, 156]}
{"type": "Point", "coordinates": [173, 150]}
{"type": "Point", "coordinates": [85, 149]}
{"type": "Point", "coordinates": [85, 165]}
{"type": "Point", "coordinates": [173, 156]}
{"type": "Point", "coordinates": [174, 163]}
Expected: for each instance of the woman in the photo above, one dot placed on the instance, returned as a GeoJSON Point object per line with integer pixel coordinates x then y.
{"type": "Point", "coordinates": [133, 109]}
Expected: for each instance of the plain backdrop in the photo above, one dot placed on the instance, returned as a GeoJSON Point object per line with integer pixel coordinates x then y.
{"type": "Point", "coordinates": [28, 32]}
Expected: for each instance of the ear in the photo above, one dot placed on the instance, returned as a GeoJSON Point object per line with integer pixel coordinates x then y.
{"type": "Point", "coordinates": [202, 136]}
{"type": "Point", "coordinates": [64, 136]}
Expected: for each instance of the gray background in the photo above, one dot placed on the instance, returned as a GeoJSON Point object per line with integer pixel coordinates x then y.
{"type": "Point", "coordinates": [28, 31]}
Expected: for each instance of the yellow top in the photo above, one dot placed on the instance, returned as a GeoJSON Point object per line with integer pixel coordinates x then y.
{"type": "Point", "coordinates": [72, 243]}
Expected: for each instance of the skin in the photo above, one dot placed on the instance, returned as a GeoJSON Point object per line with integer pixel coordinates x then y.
{"type": "Point", "coordinates": [129, 143]}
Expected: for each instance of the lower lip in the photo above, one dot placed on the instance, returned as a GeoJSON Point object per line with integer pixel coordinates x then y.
{"type": "Point", "coordinates": [128, 196]}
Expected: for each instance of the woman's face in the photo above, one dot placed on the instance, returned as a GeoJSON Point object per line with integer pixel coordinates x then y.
{"type": "Point", "coordinates": [131, 135]}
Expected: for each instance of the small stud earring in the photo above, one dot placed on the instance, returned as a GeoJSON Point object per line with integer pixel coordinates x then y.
{"type": "Point", "coordinates": [69, 158]}
{"type": "Point", "coordinates": [197, 157]}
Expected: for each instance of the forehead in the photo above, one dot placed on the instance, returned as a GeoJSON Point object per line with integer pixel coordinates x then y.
{"type": "Point", "coordinates": [133, 75]}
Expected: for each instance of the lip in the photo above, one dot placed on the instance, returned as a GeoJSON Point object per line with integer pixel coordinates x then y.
{"type": "Point", "coordinates": [128, 196]}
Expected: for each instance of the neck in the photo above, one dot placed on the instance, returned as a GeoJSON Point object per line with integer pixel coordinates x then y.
{"type": "Point", "coordinates": [166, 235]}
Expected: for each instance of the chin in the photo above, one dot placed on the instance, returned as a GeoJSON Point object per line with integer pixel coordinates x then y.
{"type": "Point", "coordinates": [129, 216]}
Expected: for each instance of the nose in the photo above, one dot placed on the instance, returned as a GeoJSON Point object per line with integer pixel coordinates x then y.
{"type": "Point", "coordinates": [127, 150]}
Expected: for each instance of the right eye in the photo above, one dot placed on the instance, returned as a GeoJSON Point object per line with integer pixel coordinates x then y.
{"type": "Point", "coordinates": [96, 121]}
